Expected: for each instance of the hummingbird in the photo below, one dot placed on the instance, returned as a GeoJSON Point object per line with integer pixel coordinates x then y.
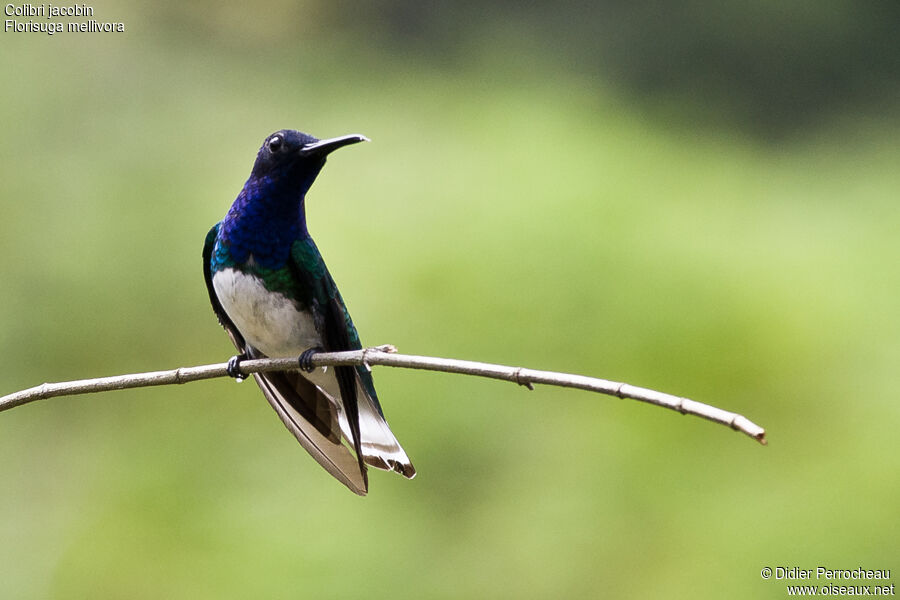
{"type": "Point", "coordinates": [273, 294]}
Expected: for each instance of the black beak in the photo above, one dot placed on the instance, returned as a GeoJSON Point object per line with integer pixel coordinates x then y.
{"type": "Point", "coordinates": [325, 147]}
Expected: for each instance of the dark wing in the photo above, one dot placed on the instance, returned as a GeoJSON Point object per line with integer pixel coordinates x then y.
{"type": "Point", "coordinates": [305, 411]}
{"type": "Point", "coordinates": [236, 338]}
{"type": "Point", "coordinates": [336, 329]}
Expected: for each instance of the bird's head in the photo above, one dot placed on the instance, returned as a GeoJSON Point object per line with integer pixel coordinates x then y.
{"type": "Point", "coordinates": [296, 155]}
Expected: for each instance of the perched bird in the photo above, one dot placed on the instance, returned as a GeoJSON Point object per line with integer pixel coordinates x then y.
{"type": "Point", "coordinates": [272, 293]}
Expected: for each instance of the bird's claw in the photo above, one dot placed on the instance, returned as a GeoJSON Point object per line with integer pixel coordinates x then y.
{"type": "Point", "coordinates": [233, 368]}
{"type": "Point", "coordinates": [305, 359]}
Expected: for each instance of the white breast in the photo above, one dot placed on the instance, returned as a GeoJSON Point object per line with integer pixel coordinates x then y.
{"type": "Point", "coordinates": [267, 320]}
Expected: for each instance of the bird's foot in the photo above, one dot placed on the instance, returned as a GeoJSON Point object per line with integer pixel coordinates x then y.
{"type": "Point", "coordinates": [305, 359]}
{"type": "Point", "coordinates": [234, 367]}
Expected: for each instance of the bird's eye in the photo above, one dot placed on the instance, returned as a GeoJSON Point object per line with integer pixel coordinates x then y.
{"type": "Point", "coordinates": [275, 143]}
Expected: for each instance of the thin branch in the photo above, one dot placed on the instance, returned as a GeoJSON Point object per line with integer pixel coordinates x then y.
{"type": "Point", "coordinates": [386, 356]}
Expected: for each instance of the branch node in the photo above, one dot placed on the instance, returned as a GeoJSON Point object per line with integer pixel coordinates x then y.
{"type": "Point", "coordinates": [365, 361]}
{"type": "Point", "coordinates": [517, 377]}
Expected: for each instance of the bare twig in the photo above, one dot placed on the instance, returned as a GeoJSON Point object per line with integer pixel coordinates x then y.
{"type": "Point", "coordinates": [386, 356]}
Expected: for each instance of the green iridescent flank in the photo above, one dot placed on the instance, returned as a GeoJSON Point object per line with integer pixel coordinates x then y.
{"type": "Point", "coordinates": [277, 280]}
{"type": "Point", "coordinates": [307, 257]}
{"type": "Point", "coordinates": [308, 260]}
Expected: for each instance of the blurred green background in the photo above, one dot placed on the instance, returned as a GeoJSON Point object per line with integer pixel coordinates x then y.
{"type": "Point", "coordinates": [701, 199]}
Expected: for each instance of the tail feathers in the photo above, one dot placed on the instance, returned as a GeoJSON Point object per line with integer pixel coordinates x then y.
{"type": "Point", "coordinates": [379, 446]}
{"type": "Point", "coordinates": [309, 405]}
